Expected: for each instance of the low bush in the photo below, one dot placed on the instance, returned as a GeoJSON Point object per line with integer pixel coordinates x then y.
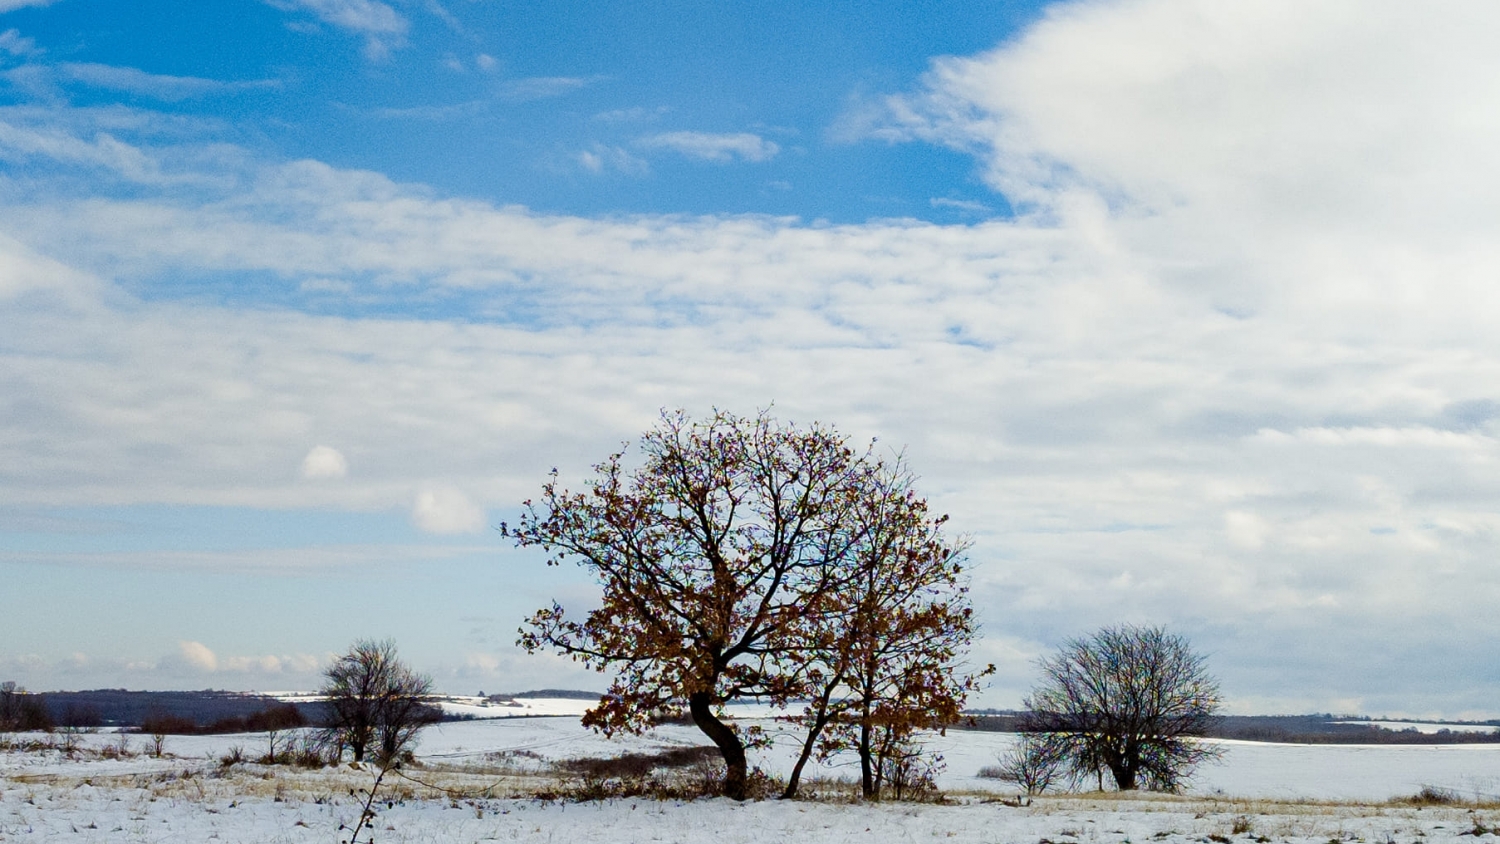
{"type": "Point", "coordinates": [677, 773]}
{"type": "Point", "coordinates": [1432, 795]}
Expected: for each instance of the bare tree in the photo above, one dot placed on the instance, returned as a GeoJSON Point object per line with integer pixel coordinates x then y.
{"type": "Point", "coordinates": [1127, 700]}
{"type": "Point", "coordinates": [710, 554]}
{"type": "Point", "coordinates": [375, 701]}
{"type": "Point", "coordinates": [404, 712]}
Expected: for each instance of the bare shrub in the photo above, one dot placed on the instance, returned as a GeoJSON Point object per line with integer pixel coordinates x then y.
{"type": "Point", "coordinates": [675, 773]}
{"type": "Point", "coordinates": [907, 770]}
{"type": "Point", "coordinates": [1432, 795]}
{"type": "Point", "coordinates": [119, 749]}
{"type": "Point", "coordinates": [1036, 763]}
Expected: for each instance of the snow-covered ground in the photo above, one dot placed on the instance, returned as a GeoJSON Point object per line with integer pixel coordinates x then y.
{"type": "Point", "coordinates": [46, 796]}
{"type": "Point", "coordinates": [1428, 727]}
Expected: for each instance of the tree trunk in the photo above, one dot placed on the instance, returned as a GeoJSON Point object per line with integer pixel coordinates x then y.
{"type": "Point", "coordinates": [807, 749]}
{"type": "Point", "coordinates": [1124, 774]}
{"type": "Point", "coordinates": [729, 744]}
{"type": "Point", "coordinates": [866, 760]}
{"type": "Point", "coordinates": [820, 720]}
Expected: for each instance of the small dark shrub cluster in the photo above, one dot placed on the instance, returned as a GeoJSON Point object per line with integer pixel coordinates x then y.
{"type": "Point", "coordinates": [676, 773]}
{"type": "Point", "coordinates": [1432, 795]}
{"type": "Point", "coordinates": [635, 765]}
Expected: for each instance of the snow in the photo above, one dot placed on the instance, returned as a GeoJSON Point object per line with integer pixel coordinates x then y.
{"type": "Point", "coordinates": [1426, 727]}
{"type": "Point", "coordinates": [474, 706]}
{"type": "Point", "coordinates": [189, 796]}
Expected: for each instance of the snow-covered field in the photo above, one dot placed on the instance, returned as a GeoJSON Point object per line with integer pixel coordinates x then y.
{"type": "Point", "coordinates": [1313, 794]}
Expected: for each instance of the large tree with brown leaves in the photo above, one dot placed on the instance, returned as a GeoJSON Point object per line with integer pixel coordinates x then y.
{"type": "Point", "coordinates": [723, 556]}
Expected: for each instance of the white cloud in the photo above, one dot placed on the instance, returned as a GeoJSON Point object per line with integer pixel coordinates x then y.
{"type": "Point", "coordinates": [540, 87]}
{"type": "Point", "coordinates": [24, 271]}
{"type": "Point", "coordinates": [324, 462]}
{"type": "Point", "coordinates": [383, 27]}
{"type": "Point", "coordinates": [135, 81]}
{"type": "Point", "coordinates": [428, 112]}
{"type": "Point", "coordinates": [966, 205]}
{"type": "Point", "coordinates": [198, 656]}
{"type": "Point", "coordinates": [445, 510]}
{"type": "Point", "coordinates": [714, 147]}
{"type": "Point", "coordinates": [635, 114]}
{"type": "Point", "coordinates": [601, 159]}
{"type": "Point", "coordinates": [363, 16]}
{"type": "Point", "coordinates": [1246, 530]}
{"type": "Point", "coordinates": [12, 5]}
{"type": "Point", "coordinates": [485, 62]}
{"type": "Point", "coordinates": [13, 42]}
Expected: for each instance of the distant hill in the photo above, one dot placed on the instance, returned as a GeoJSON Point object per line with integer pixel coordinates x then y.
{"type": "Point", "coordinates": [562, 694]}
{"type": "Point", "coordinates": [121, 708]}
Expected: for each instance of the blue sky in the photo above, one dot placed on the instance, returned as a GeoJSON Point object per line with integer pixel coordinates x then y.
{"type": "Point", "coordinates": [496, 102]}
{"type": "Point", "coordinates": [1182, 310]}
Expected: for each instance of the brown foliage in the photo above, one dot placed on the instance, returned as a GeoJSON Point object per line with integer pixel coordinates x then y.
{"type": "Point", "coordinates": [734, 560]}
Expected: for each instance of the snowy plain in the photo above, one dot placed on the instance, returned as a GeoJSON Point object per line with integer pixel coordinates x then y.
{"type": "Point", "coordinates": [1298, 793]}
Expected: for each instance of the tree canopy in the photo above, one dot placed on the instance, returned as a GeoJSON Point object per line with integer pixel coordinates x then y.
{"type": "Point", "coordinates": [725, 556]}
{"type": "Point", "coordinates": [1128, 700]}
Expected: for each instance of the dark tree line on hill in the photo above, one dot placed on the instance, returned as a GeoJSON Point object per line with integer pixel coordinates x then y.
{"type": "Point", "coordinates": [276, 716]}
{"type": "Point", "coordinates": [1285, 729]}
{"type": "Point", "coordinates": [177, 712]}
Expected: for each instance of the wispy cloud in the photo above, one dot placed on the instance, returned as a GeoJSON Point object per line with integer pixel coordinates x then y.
{"type": "Point", "coordinates": [637, 114]}
{"type": "Point", "coordinates": [424, 112]}
{"type": "Point", "coordinates": [12, 5]}
{"type": "Point", "coordinates": [382, 26]}
{"type": "Point", "coordinates": [600, 159]}
{"type": "Point", "coordinates": [540, 87]}
{"type": "Point", "coordinates": [104, 151]}
{"type": "Point", "coordinates": [966, 205]}
{"type": "Point", "coordinates": [170, 88]}
{"type": "Point", "coordinates": [708, 146]}
{"type": "Point", "coordinates": [13, 42]}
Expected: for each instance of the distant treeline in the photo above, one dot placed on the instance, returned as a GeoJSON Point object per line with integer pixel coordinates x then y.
{"type": "Point", "coordinates": [185, 712]}
{"type": "Point", "coordinates": [277, 716]}
{"type": "Point", "coordinates": [561, 694]}
{"type": "Point", "coordinates": [1288, 729]}
{"type": "Point", "coordinates": [1328, 729]}
{"type": "Point", "coordinates": [172, 713]}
